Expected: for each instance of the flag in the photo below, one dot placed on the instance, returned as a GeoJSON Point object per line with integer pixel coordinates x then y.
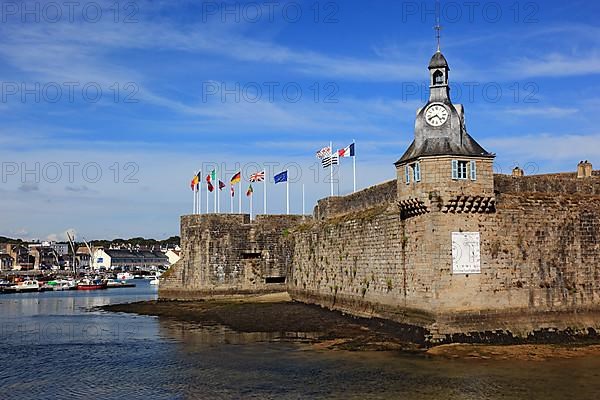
{"type": "Point", "coordinates": [250, 191]}
{"type": "Point", "coordinates": [213, 175]}
{"type": "Point", "coordinates": [232, 191]}
{"type": "Point", "coordinates": [347, 152]}
{"type": "Point", "coordinates": [281, 177]}
{"type": "Point", "coordinates": [195, 183]}
{"type": "Point", "coordinates": [237, 178]}
{"type": "Point", "coordinates": [209, 183]}
{"type": "Point", "coordinates": [222, 185]}
{"type": "Point", "coordinates": [330, 160]}
{"type": "Point", "coordinates": [325, 151]}
{"type": "Point", "coordinates": [257, 177]}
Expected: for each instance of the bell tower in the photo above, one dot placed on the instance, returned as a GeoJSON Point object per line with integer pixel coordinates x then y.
{"type": "Point", "coordinates": [439, 90]}
{"type": "Point", "coordinates": [444, 165]}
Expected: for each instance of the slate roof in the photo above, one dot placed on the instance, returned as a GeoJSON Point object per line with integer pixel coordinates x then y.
{"type": "Point", "coordinates": [124, 254]}
{"type": "Point", "coordinates": [438, 61]}
{"type": "Point", "coordinates": [444, 147]}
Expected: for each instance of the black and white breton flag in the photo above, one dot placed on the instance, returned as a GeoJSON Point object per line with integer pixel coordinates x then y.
{"type": "Point", "coordinates": [329, 160]}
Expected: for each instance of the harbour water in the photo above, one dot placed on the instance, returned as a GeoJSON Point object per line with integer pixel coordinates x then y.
{"type": "Point", "coordinates": [55, 345]}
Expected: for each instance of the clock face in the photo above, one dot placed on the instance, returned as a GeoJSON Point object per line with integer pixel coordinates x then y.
{"type": "Point", "coordinates": [436, 115]}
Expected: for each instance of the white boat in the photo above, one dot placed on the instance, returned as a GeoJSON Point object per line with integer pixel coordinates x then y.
{"type": "Point", "coordinates": [63, 284]}
{"type": "Point", "coordinates": [115, 283]}
{"type": "Point", "coordinates": [124, 276]}
{"type": "Point", "coordinates": [26, 286]}
{"type": "Point", "coordinates": [154, 281]}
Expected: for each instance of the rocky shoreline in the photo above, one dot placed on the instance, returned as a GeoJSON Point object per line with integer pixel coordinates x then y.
{"type": "Point", "coordinates": [277, 314]}
{"type": "Point", "coordinates": [333, 330]}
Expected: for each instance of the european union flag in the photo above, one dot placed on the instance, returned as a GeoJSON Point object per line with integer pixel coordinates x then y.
{"type": "Point", "coordinates": [282, 177]}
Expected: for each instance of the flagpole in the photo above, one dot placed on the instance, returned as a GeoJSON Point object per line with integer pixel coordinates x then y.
{"type": "Point", "coordinates": [200, 194]}
{"type": "Point", "coordinates": [251, 195]}
{"type": "Point", "coordinates": [207, 192]}
{"type": "Point", "coordinates": [231, 201]}
{"type": "Point", "coordinates": [219, 193]}
{"type": "Point", "coordinates": [331, 167]}
{"type": "Point", "coordinates": [265, 193]}
{"type": "Point", "coordinates": [303, 204]}
{"type": "Point", "coordinates": [240, 197]}
{"type": "Point", "coordinates": [287, 195]}
{"type": "Point", "coordinates": [216, 189]}
{"type": "Point", "coordinates": [194, 194]}
{"type": "Point", "coordinates": [354, 164]}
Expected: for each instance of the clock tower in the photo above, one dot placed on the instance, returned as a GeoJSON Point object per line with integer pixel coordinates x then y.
{"type": "Point", "coordinates": [444, 163]}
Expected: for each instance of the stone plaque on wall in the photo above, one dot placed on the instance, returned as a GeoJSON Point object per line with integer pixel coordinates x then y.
{"type": "Point", "coordinates": [465, 253]}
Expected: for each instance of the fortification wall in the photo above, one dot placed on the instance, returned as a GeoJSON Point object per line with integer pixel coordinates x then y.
{"type": "Point", "coordinates": [373, 196]}
{"type": "Point", "coordinates": [540, 263]}
{"type": "Point", "coordinates": [540, 260]}
{"type": "Point", "coordinates": [356, 263]}
{"type": "Point", "coordinates": [566, 183]}
{"type": "Point", "coordinates": [229, 255]}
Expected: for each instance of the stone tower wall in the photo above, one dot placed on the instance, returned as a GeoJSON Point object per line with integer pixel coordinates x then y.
{"type": "Point", "coordinates": [227, 254]}
{"type": "Point", "coordinates": [540, 258]}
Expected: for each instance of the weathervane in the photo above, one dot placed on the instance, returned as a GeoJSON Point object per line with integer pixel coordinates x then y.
{"type": "Point", "coordinates": [438, 27]}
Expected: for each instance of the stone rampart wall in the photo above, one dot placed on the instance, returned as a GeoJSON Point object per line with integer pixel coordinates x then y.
{"type": "Point", "coordinates": [373, 196]}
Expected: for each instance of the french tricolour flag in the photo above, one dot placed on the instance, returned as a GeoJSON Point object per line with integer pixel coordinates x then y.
{"type": "Point", "coordinates": [347, 152]}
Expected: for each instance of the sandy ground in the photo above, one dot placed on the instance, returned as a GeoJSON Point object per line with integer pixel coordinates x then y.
{"type": "Point", "coordinates": [524, 352]}
{"type": "Point", "coordinates": [333, 330]}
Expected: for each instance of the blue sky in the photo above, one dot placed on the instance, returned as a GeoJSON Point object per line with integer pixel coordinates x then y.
{"type": "Point", "coordinates": [527, 73]}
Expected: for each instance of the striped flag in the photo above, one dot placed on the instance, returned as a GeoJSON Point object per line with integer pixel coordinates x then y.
{"type": "Point", "coordinates": [237, 178]}
{"type": "Point", "coordinates": [332, 159]}
{"type": "Point", "coordinates": [324, 152]}
{"type": "Point", "coordinates": [250, 191]}
{"type": "Point", "coordinates": [347, 152]}
{"type": "Point", "coordinates": [257, 177]}
{"type": "Point", "coordinates": [232, 191]}
{"type": "Point", "coordinates": [195, 182]}
{"type": "Point", "coordinates": [209, 183]}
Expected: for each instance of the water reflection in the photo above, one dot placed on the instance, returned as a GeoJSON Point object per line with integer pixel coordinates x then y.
{"type": "Point", "coordinates": [197, 335]}
{"type": "Point", "coordinates": [53, 347]}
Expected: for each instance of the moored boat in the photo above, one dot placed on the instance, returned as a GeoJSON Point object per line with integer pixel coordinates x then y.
{"type": "Point", "coordinates": [91, 284]}
{"type": "Point", "coordinates": [116, 283]}
{"type": "Point", "coordinates": [124, 276]}
{"type": "Point", "coordinates": [25, 286]}
{"type": "Point", "coordinates": [62, 284]}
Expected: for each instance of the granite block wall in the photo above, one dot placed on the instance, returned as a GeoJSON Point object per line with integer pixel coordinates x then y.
{"type": "Point", "coordinates": [362, 254]}
{"type": "Point", "coordinates": [227, 254]}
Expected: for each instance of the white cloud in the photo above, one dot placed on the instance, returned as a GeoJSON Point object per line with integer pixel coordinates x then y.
{"type": "Point", "coordinates": [548, 112]}
{"type": "Point", "coordinates": [554, 65]}
{"type": "Point", "coordinates": [548, 147]}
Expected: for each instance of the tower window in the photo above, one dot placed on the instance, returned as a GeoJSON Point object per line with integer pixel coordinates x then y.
{"type": "Point", "coordinates": [463, 170]}
{"type": "Point", "coordinates": [438, 77]}
{"type": "Point", "coordinates": [417, 171]}
{"type": "Point", "coordinates": [414, 171]}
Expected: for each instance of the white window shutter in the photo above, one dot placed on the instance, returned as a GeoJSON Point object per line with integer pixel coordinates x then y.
{"type": "Point", "coordinates": [473, 171]}
{"type": "Point", "coordinates": [407, 173]}
{"type": "Point", "coordinates": [454, 169]}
